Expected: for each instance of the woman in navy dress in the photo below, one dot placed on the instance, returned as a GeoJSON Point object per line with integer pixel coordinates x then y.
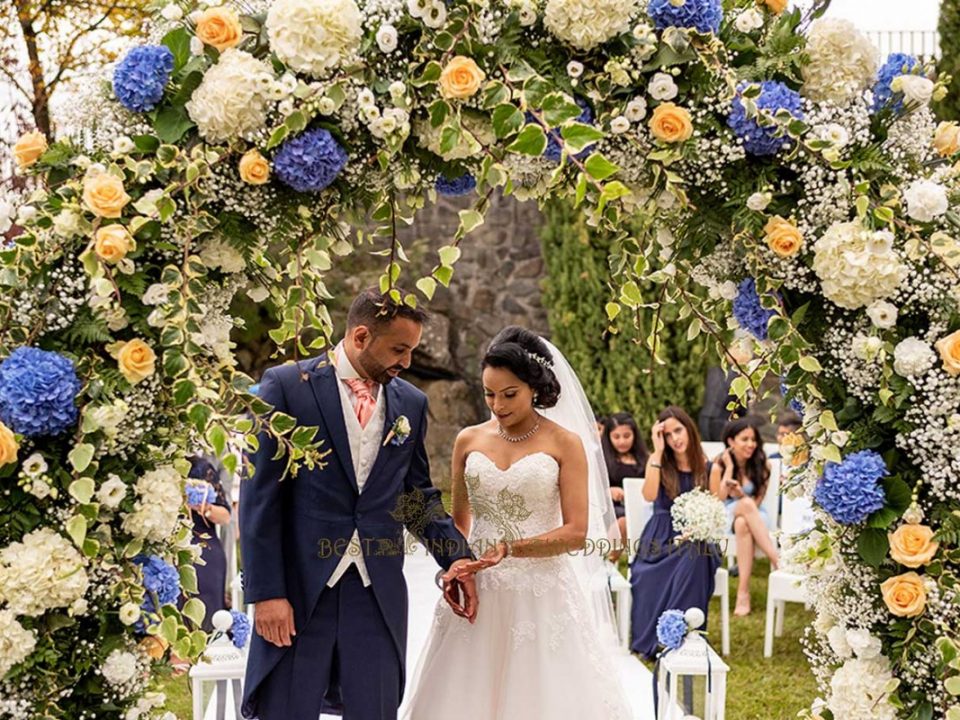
{"type": "Point", "coordinates": [206, 515]}
{"type": "Point", "coordinates": [664, 575]}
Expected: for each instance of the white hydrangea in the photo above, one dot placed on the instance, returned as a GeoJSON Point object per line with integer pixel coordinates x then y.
{"type": "Point", "coordinates": [233, 98]}
{"type": "Point", "coordinates": [588, 23]}
{"type": "Point", "coordinates": [856, 265]}
{"type": "Point", "coordinates": [863, 644]}
{"type": "Point", "coordinates": [843, 62]}
{"type": "Point", "coordinates": [42, 572]}
{"type": "Point", "coordinates": [159, 496]}
{"type": "Point", "coordinates": [859, 690]}
{"type": "Point", "coordinates": [837, 638]}
{"type": "Point", "coordinates": [913, 357]}
{"type": "Point", "coordinates": [925, 200]}
{"type": "Point", "coordinates": [217, 253]}
{"type": "Point", "coordinates": [119, 667]}
{"type": "Point", "coordinates": [16, 642]}
{"type": "Point", "coordinates": [314, 36]}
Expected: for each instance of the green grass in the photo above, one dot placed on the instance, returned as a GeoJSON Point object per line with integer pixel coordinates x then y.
{"type": "Point", "coordinates": [758, 688]}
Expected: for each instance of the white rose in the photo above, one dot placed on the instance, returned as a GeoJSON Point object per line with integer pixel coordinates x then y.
{"type": "Point", "coordinates": [759, 201]}
{"type": "Point", "coordinates": [119, 667]}
{"type": "Point", "coordinates": [397, 89]}
{"type": "Point", "coordinates": [172, 12]}
{"type": "Point", "coordinates": [123, 145]}
{"type": "Point", "coordinates": [574, 69]}
{"type": "Point", "coordinates": [156, 294]}
{"type": "Point", "coordinates": [636, 109]}
{"type": "Point", "coordinates": [527, 13]}
{"type": "Point", "coordinates": [387, 38]}
{"type": "Point", "coordinates": [749, 20]}
{"type": "Point", "coordinates": [925, 200]}
{"type": "Point", "coordinates": [34, 466]}
{"type": "Point", "coordinates": [112, 492]}
{"type": "Point", "coordinates": [129, 613]}
{"type": "Point", "coordinates": [662, 87]}
{"type": "Point", "coordinates": [619, 125]}
{"type": "Point", "coordinates": [40, 489]}
{"type": "Point", "coordinates": [435, 15]}
{"type": "Point", "coordinates": [327, 106]}
{"type": "Point", "coordinates": [882, 314]}
{"type": "Point", "coordinates": [833, 133]}
{"type": "Point", "coordinates": [916, 89]}
{"type": "Point", "coordinates": [913, 357]}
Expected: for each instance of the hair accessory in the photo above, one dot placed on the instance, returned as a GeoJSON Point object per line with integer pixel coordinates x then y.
{"type": "Point", "coordinates": [539, 359]}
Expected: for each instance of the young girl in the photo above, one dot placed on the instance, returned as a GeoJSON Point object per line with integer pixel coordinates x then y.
{"type": "Point", "coordinates": [626, 456]}
{"type": "Point", "coordinates": [665, 575]}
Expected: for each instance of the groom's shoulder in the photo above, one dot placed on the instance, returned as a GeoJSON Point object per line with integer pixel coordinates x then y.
{"type": "Point", "coordinates": [410, 390]}
{"type": "Point", "coordinates": [290, 372]}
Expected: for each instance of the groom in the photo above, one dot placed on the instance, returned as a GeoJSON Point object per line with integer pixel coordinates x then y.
{"type": "Point", "coordinates": [323, 550]}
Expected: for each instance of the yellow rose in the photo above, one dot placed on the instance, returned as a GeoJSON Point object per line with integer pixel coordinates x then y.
{"type": "Point", "coordinates": [904, 595]}
{"type": "Point", "coordinates": [946, 139]}
{"type": "Point", "coordinates": [254, 168]}
{"type": "Point", "coordinates": [220, 27]}
{"type": "Point", "coordinates": [795, 449]}
{"type": "Point", "coordinates": [949, 348]}
{"type": "Point", "coordinates": [112, 244]}
{"type": "Point", "coordinates": [154, 646]}
{"type": "Point", "coordinates": [135, 358]}
{"type": "Point", "coordinates": [104, 195]}
{"type": "Point", "coordinates": [671, 123]}
{"type": "Point", "coordinates": [8, 445]}
{"type": "Point", "coordinates": [29, 148]}
{"type": "Point", "coordinates": [776, 6]}
{"type": "Point", "coordinates": [913, 545]}
{"type": "Point", "coordinates": [783, 237]}
{"type": "Point", "coordinates": [461, 78]}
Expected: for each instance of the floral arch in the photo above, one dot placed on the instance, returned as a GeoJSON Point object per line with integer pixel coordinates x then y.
{"type": "Point", "coordinates": [763, 153]}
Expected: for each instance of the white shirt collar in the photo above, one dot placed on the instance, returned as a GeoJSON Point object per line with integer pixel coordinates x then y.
{"type": "Point", "coordinates": [346, 370]}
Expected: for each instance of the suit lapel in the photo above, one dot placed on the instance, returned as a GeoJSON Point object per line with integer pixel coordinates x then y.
{"type": "Point", "coordinates": [323, 382]}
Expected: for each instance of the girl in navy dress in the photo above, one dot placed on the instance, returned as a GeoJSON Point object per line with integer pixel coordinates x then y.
{"type": "Point", "coordinates": [626, 456]}
{"type": "Point", "coordinates": [206, 515]}
{"type": "Point", "coordinates": [665, 575]}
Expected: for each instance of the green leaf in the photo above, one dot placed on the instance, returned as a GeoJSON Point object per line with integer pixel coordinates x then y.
{"type": "Point", "coordinates": [449, 255]}
{"type": "Point", "coordinates": [873, 546]}
{"type": "Point", "coordinates": [558, 108]}
{"type": "Point", "coordinates": [80, 456]}
{"type": "Point", "coordinates": [470, 220]}
{"type": "Point", "coordinates": [883, 518]}
{"type": "Point", "coordinates": [195, 610]}
{"type": "Point", "coordinates": [810, 364]}
{"type": "Point", "coordinates": [184, 391]}
{"type": "Point", "coordinates": [188, 579]}
{"type": "Point", "coordinates": [443, 275]}
{"type": "Point", "coordinates": [77, 529]}
{"type": "Point", "coordinates": [431, 74]}
{"type": "Point", "coordinates": [217, 437]}
{"type": "Point", "coordinates": [278, 136]}
{"type": "Point", "coordinates": [281, 423]}
{"type": "Point", "coordinates": [898, 494]}
{"type": "Point", "coordinates": [948, 650]}
{"type": "Point", "coordinates": [428, 286]}
{"type": "Point", "coordinates": [612, 191]}
{"type": "Point", "coordinates": [952, 684]}
{"type": "Point", "coordinates": [630, 294]}
{"type": "Point", "coordinates": [179, 43]}
{"type": "Point", "coordinates": [599, 167]}
{"type": "Point", "coordinates": [82, 490]}
{"type": "Point", "coordinates": [531, 141]}
{"type": "Point", "coordinates": [507, 119]}
{"type": "Point", "coordinates": [296, 121]}
{"type": "Point", "coordinates": [168, 630]}
{"type": "Point", "coordinates": [578, 136]}
{"type": "Point", "coordinates": [172, 124]}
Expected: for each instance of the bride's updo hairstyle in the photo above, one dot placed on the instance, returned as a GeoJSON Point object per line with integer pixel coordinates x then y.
{"type": "Point", "coordinates": [525, 355]}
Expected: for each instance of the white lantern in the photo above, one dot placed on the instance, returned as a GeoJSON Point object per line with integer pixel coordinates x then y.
{"type": "Point", "coordinates": [693, 658]}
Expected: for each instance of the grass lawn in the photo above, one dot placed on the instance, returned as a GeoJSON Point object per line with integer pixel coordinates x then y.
{"type": "Point", "coordinates": [757, 688]}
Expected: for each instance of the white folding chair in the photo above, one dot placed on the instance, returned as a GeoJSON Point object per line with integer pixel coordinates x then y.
{"type": "Point", "coordinates": [638, 512]}
{"type": "Point", "coordinates": [782, 587]}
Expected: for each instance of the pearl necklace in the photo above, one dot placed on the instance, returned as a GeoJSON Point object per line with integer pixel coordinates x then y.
{"type": "Point", "coordinates": [518, 438]}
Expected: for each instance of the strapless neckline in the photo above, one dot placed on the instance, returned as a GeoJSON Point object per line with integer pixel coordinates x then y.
{"type": "Point", "coordinates": [515, 462]}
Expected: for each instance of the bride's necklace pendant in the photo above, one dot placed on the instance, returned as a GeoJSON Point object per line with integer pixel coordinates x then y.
{"type": "Point", "coordinates": [518, 438]}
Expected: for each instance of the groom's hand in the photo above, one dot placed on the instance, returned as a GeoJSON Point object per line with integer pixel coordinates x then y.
{"type": "Point", "coordinates": [274, 621]}
{"type": "Point", "coordinates": [459, 580]}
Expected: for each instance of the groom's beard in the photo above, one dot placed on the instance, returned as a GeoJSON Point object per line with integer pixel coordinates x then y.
{"type": "Point", "coordinates": [375, 370]}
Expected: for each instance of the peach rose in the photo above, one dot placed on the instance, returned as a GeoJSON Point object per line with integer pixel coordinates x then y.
{"type": "Point", "coordinates": [8, 445]}
{"type": "Point", "coordinates": [671, 123]}
{"type": "Point", "coordinates": [949, 348]}
{"type": "Point", "coordinates": [220, 27]}
{"type": "Point", "coordinates": [461, 78]}
{"type": "Point", "coordinates": [783, 237]}
{"type": "Point", "coordinates": [29, 148]}
{"type": "Point", "coordinates": [112, 243]}
{"type": "Point", "coordinates": [254, 168]}
{"type": "Point", "coordinates": [795, 449]}
{"type": "Point", "coordinates": [946, 139]}
{"type": "Point", "coordinates": [104, 195]}
{"type": "Point", "coordinates": [904, 595]}
{"type": "Point", "coordinates": [913, 545]}
{"type": "Point", "coordinates": [154, 646]}
{"type": "Point", "coordinates": [776, 6]}
{"type": "Point", "coordinates": [136, 359]}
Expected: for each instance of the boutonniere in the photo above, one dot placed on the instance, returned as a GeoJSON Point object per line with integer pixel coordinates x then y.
{"type": "Point", "coordinates": [399, 432]}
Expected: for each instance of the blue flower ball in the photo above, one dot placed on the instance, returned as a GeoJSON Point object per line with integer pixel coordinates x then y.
{"type": "Point", "coordinates": [759, 140]}
{"type": "Point", "coordinates": [850, 491]}
{"type": "Point", "coordinates": [748, 311]}
{"type": "Point", "coordinates": [897, 64]}
{"type": "Point", "coordinates": [37, 392]}
{"type": "Point", "coordinates": [141, 77]}
{"type": "Point", "coordinates": [671, 629]}
{"type": "Point", "coordinates": [462, 185]}
{"type": "Point", "coordinates": [311, 161]}
{"type": "Point", "coordinates": [240, 629]}
{"type": "Point", "coordinates": [702, 15]}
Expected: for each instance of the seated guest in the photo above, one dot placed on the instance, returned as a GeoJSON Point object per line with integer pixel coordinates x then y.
{"type": "Point", "coordinates": [626, 456]}
{"type": "Point", "coordinates": [740, 476]}
{"type": "Point", "coordinates": [665, 575]}
{"type": "Point", "coordinates": [209, 507]}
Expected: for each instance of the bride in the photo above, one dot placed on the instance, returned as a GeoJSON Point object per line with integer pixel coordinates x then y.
{"type": "Point", "coordinates": [529, 492]}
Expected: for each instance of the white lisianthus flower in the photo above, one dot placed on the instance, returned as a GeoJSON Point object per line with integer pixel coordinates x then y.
{"type": "Point", "coordinates": [860, 690]}
{"type": "Point", "coordinates": [416, 8]}
{"type": "Point", "coordinates": [119, 667]}
{"type": "Point", "coordinates": [662, 87]}
{"type": "Point", "coordinates": [527, 13]}
{"type": "Point", "coordinates": [574, 68]}
{"type": "Point", "coordinates": [882, 314]}
{"type": "Point", "coordinates": [16, 642]}
{"type": "Point", "coordinates": [866, 347]}
{"type": "Point", "coordinates": [159, 497]}
{"type": "Point", "coordinates": [435, 15]}
{"type": "Point", "coordinates": [129, 613]}
{"type": "Point", "coordinates": [42, 572]}
{"type": "Point", "coordinates": [217, 253]}
{"type": "Point", "coordinates": [916, 89]}
{"type": "Point", "coordinates": [314, 36]}
{"type": "Point", "coordinates": [397, 89]}
{"type": "Point", "coordinates": [39, 489]}
{"type": "Point", "coordinates": [856, 265]}
{"type": "Point", "coordinates": [636, 109]}
{"type": "Point", "coordinates": [233, 97]}
{"type": "Point", "coordinates": [34, 466]}
{"type": "Point", "coordinates": [925, 200]}
{"type": "Point", "coordinates": [759, 201]}
{"type": "Point", "coordinates": [123, 145]}
{"type": "Point", "coordinates": [585, 24]}
{"type": "Point", "coordinates": [843, 61]}
{"type": "Point", "coordinates": [619, 125]}
{"type": "Point", "coordinates": [913, 357]}
{"type": "Point", "coordinates": [749, 20]}
{"type": "Point", "coordinates": [833, 133]}
{"type": "Point", "coordinates": [387, 38]}
{"type": "Point", "coordinates": [112, 492]}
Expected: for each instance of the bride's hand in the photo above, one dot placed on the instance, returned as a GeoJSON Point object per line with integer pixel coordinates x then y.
{"type": "Point", "coordinates": [460, 579]}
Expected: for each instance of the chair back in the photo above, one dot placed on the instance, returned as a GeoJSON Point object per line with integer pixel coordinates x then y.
{"type": "Point", "coordinates": [637, 510]}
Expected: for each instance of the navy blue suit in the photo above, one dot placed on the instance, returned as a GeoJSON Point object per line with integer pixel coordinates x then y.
{"type": "Point", "coordinates": [350, 639]}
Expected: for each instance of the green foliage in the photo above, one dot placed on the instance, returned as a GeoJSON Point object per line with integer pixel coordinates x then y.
{"type": "Point", "coordinates": [614, 368]}
{"type": "Point", "coordinates": [949, 29]}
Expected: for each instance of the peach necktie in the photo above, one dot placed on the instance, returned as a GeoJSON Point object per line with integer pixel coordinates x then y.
{"type": "Point", "coordinates": [365, 403]}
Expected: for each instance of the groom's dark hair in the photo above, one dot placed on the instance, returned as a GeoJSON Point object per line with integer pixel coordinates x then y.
{"type": "Point", "coordinates": [375, 310]}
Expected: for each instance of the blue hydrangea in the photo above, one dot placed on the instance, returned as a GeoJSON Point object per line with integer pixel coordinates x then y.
{"type": "Point", "coordinates": [196, 494]}
{"type": "Point", "coordinates": [141, 77]}
{"type": "Point", "coordinates": [671, 629]}
{"type": "Point", "coordinates": [37, 392]}
{"type": "Point", "coordinates": [758, 140]}
{"type": "Point", "coordinates": [748, 311]}
{"type": "Point", "coordinates": [311, 161]}
{"type": "Point", "coordinates": [462, 185]}
{"type": "Point", "coordinates": [896, 64]}
{"type": "Point", "coordinates": [162, 583]}
{"type": "Point", "coordinates": [850, 491]}
{"type": "Point", "coordinates": [554, 147]}
{"type": "Point", "coordinates": [240, 629]}
{"type": "Point", "coordinates": [704, 15]}
{"type": "Point", "coordinates": [793, 403]}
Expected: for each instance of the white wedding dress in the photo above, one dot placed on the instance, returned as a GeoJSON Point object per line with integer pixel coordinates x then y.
{"type": "Point", "coordinates": [534, 651]}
